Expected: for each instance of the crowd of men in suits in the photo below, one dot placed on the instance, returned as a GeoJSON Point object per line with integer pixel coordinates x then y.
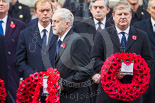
{"type": "Point", "coordinates": [77, 49]}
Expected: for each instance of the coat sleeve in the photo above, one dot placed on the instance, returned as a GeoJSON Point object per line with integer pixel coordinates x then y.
{"type": "Point", "coordinates": [21, 57]}
{"type": "Point", "coordinates": [80, 56]}
{"type": "Point", "coordinates": [98, 52]}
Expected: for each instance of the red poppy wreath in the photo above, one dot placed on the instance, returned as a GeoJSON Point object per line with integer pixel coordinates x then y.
{"type": "Point", "coordinates": [116, 89]}
{"type": "Point", "coordinates": [29, 90]}
{"type": "Point", "coordinates": [3, 93]}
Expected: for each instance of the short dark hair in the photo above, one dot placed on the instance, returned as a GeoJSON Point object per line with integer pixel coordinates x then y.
{"type": "Point", "coordinates": [92, 1]}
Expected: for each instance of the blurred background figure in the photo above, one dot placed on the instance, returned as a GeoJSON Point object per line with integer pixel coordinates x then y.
{"type": "Point", "coordinates": [10, 29]}
{"type": "Point", "coordinates": [19, 11]}
{"type": "Point", "coordinates": [138, 12]}
{"type": "Point", "coordinates": [145, 4]}
{"type": "Point", "coordinates": [3, 64]}
{"type": "Point", "coordinates": [148, 26]}
{"type": "Point", "coordinates": [55, 5]}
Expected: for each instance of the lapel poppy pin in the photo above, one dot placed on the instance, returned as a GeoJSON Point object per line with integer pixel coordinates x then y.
{"type": "Point", "coordinates": [63, 45]}
{"type": "Point", "coordinates": [134, 37]}
{"type": "Point", "coordinates": [12, 25]}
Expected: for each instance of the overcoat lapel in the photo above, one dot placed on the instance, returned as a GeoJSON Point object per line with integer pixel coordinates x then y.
{"type": "Point", "coordinates": [114, 37]}
{"type": "Point", "coordinates": [9, 30]}
{"type": "Point", "coordinates": [130, 41]}
{"type": "Point", "coordinates": [36, 35]}
{"type": "Point", "coordinates": [65, 42]}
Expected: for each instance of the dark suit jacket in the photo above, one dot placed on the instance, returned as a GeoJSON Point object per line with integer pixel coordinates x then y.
{"type": "Point", "coordinates": [33, 21]}
{"type": "Point", "coordinates": [146, 26]}
{"type": "Point", "coordinates": [31, 55]}
{"type": "Point", "coordinates": [20, 12]}
{"type": "Point", "coordinates": [107, 43]}
{"type": "Point", "coordinates": [140, 15]}
{"type": "Point", "coordinates": [3, 64]}
{"type": "Point", "coordinates": [11, 40]}
{"type": "Point", "coordinates": [73, 63]}
{"type": "Point", "coordinates": [87, 29]}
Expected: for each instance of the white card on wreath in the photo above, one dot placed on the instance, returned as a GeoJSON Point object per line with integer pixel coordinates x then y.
{"type": "Point", "coordinates": [45, 84]}
{"type": "Point", "coordinates": [127, 69]}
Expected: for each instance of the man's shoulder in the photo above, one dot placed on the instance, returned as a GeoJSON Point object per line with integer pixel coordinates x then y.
{"type": "Point", "coordinates": [13, 20]}
{"type": "Point", "coordinates": [85, 22]}
{"type": "Point", "coordinates": [138, 32]}
{"type": "Point", "coordinates": [141, 24]}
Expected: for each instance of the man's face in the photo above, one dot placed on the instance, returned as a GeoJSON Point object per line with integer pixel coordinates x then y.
{"type": "Point", "coordinates": [122, 18]}
{"type": "Point", "coordinates": [44, 12]}
{"type": "Point", "coordinates": [58, 25]}
{"type": "Point", "coordinates": [133, 2]}
{"type": "Point", "coordinates": [151, 9]}
{"type": "Point", "coordinates": [4, 6]}
{"type": "Point", "coordinates": [99, 10]}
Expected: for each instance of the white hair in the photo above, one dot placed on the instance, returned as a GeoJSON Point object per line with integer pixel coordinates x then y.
{"type": "Point", "coordinates": [66, 15]}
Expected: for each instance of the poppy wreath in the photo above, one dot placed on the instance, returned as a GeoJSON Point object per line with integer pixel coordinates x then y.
{"type": "Point", "coordinates": [116, 89]}
{"type": "Point", "coordinates": [3, 93]}
{"type": "Point", "coordinates": [30, 88]}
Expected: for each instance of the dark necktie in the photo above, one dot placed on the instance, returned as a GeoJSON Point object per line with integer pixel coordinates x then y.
{"type": "Point", "coordinates": [99, 26]}
{"type": "Point", "coordinates": [154, 28]}
{"type": "Point", "coordinates": [123, 42]}
{"type": "Point", "coordinates": [44, 38]}
{"type": "Point", "coordinates": [58, 46]}
{"type": "Point", "coordinates": [1, 28]}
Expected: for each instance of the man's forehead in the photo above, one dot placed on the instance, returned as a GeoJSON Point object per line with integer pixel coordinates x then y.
{"type": "Point", "coordinates": [5, 0]}
{"type": "Point", "coordinates": [99, 3]}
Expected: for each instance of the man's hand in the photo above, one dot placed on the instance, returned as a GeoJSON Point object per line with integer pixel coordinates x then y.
{"type": "Point", "coordinates": [96, 78]}
{"type": "Point", "coordinates": [62, 88]}
{"type": "Point", "coordinates": [120, 76]}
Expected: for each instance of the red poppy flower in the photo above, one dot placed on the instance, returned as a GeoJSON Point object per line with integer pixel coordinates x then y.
{"type": "Point", "coordinates": [12, 25]}
{"type": "Point", "coordinates": [134, 37]}
{"type": "Point", "coordinates": [63, 45]}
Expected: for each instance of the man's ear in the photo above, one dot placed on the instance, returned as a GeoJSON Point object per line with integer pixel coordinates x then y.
{"type": "Point", "coordinates": [108, 10]}
{"type": "Point", "coordinates": [67, 24]}
{"type": "Point", "coordinates": [35, 12]}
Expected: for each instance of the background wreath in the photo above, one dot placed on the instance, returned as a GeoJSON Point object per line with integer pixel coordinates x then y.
{"type": "Point", "coordinates": [30, 88]}
{"type": "Point", "coordinates": [3, 93]}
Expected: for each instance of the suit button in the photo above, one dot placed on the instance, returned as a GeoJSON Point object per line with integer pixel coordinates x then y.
{"type": "Point", "coordinates": [9, 67]}
{"type": "Point", "coordinates": [45, 53]}
{"type": "Point", "coordinates": [13, 40]}
{"type": "Point", "coordinates": [35, 70]}
{"type": "Point", "coordinates": [9, 52]}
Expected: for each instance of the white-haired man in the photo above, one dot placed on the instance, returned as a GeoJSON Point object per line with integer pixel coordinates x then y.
{"type": "Point", "coordinates": [72, 59]}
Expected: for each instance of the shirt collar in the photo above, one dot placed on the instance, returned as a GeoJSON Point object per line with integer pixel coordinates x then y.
{"type": "Point", "coordinates": [126, 31]}
{"type": "Point", "coordinates": [63, 37]}
{"type": "Point", "coordinates": [153, 22]}
{"type": "Point", "coordinates": [5, 19]}
{"type": "Point", "coordinates": [103, 21]}
{"type": "Point", "coordinates": [41, 27]}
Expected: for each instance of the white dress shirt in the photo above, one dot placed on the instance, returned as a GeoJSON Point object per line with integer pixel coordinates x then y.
{"type": "Point", "coordinates": [153, 24]}
{"type": "Point", "coordinates": [120, 35]}
{"type": "Point", "coordinates": [102, 23]}
{"type": "Point", "coordinates": [47, 31]}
